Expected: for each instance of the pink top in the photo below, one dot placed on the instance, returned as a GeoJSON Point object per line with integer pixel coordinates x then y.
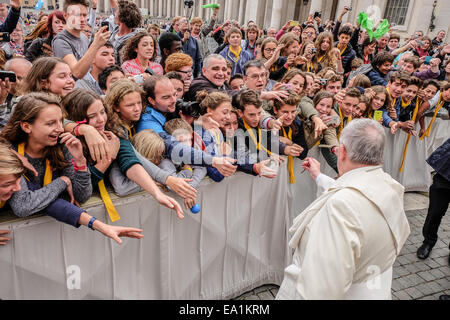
{"type": "Point", "coordinates": [279, 34]}
{"type": "Point", "coordinates": [133, 67]}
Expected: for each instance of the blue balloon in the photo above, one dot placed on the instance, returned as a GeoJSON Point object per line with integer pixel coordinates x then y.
{"type": "Point", "coordinates": [195, 208]}
{"type": "Point", "coordinates": [39, 4]}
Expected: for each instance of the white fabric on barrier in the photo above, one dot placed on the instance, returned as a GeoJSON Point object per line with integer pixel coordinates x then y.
{"type": "Point", "coordinates": [237, 242]}
{"type": "Point", "coordinates": [440, 132]}
{"type": "Point", "coordinates": [416, 172]}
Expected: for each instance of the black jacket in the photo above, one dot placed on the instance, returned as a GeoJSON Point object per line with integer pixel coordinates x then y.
{"type": "Point", "coordinates": [202, 83]}
{"type": "Point", "coordinates": [40, 47]}
{"type": "Point", "coordinates": [440, 160]}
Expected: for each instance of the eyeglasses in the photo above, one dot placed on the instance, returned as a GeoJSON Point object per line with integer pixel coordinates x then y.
{"type": "Point", "coordinates": [269, 50]}
{"type": "Point", "coordinates": [186, 72]}
{"type": "Point", "coordinates": [257, 76]}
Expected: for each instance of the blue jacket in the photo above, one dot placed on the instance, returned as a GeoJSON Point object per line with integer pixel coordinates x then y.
{"type": "Point", "coordinates": [238, 67]}
{"type": "Point", "coordinates": [386, 118]}
{"type": "Point", "coordinates": [210, 144]}
{"type": "Point", "coordinates": [60, 209]}
{"type": "Point", "coordinates": [192, 49]}
{"type": "Point", "coordinates": [246, 46]}
{"type": "Point", "coordinates": [347, 57]}
{"type": "Point", "coordinates": [176, 151]}
{"type": "Point", "coordinates": [440, 160]}
{"type": "Point", "coordinates": [376, 78]}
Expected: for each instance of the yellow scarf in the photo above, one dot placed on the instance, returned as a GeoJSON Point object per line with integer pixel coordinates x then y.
{"type": "Point", "coordinates": [405, 103]}
{"type": "Point", "coordinates": [236, 54]}
{"type": "Point", "coordinates": [290, 158]}
{"type": "Point", "coordinates": [112, 212]}
{"type": "Point", "coordinates": [341, 125]}
{"type": "Point", "coordinates": [409, 135]}
{"type": "Point", "coordinates": [321, 58]}
{"type": "Point", "coordinates": [131, 132]}
{"type": "Point", "coordinates": [438, 107]}
{"type": "Point", "coordinates": [257, 143]}
{"type": "Point", "coordinates": [342, 51]}
{"type": "Point", "coordinates": [48, 168]}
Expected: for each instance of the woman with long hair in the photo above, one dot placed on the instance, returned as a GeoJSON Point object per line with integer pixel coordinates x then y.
{"type": "Point", "coordinates": [85, 105]}
{"type": "Point", "coordinates": [309, 52]}
{"type": "Point", "coordinates": [39, 31]}
{"type": "Point", "coordinates": [425, 49]}
{"type": "Point", "coordinates": [379, 99]}
{"type": "Point", "coordinates": [218, 106]}
{"type": "Point", "coordinates": [34, 130]}
{"type": "Point", "coordinates": [53, 75]}
{"type": "Point", "coordinates": [289, 57]}
{"type": "Point", "coordinates": [326, 55]}
{"type": "Point", "coordinates": [140, 53]}
{"type": "Point", "coordinates": [42, 46]}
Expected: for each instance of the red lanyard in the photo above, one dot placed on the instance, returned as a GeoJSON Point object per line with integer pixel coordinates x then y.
{"type": "Point", "coordinates": [139, 65]}
{"type": "Point", "coordinates": [366, 61]}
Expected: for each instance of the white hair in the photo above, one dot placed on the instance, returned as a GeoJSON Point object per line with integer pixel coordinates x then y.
{"type": "Point", "coordinates": [16, 60]}
{"type": "Point", "coordinates": [364, 141]}
{"type": "Point", "coordinates": [207, 60]}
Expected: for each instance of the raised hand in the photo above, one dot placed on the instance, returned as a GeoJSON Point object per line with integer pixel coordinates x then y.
{"type": "Point", "coordinates": [101, 37]}
{"type": "Point", "coordinates": [272, 95]}
{"type": "Point", "coordinates": [300, 60]}
{"type": "Point", "coordinates": [394, 127]}
{"type": "Point", "coordinates": [263, 170]}
{"type": "Point", "coordinates": [181, 187]}
{"type": "Point", "coordinates": [207, 122]}
{"type": "Point", "coordinates": [74, 146]}
{"type": "Point", "coordinates": [115, 232]}
{"type": "Point", "coordinates": [295, 150]}
{"type": "Point", "coordinates": [97, 145]}
{"type": "Point", "coordinates": [15, 4]}
{"type": "Point", "coordinates": [319, 126]}
{"type": "Point", "coordinates": [312, 166]}
{"type": "Point", "coordinates": [225, 165]}
{"type": "Point", "coordinates": [170, 203]}
{"type": "Point", "coordinates": [189, 203]}
{"type": "Point", "coordinates": [5, 88]}
{"type": "Point", "coordinates": [112, 142]}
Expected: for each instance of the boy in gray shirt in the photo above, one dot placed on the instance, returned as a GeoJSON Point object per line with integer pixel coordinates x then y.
{"type": "Point", "coordinates": [72, 45]}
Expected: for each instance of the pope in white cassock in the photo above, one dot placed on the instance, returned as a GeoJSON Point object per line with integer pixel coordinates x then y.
{"type": "Point", "coordinates": [347, 240]}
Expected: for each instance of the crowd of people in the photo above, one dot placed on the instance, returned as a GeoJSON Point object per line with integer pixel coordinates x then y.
{"type": "Point", "coordinates": [89, 101]}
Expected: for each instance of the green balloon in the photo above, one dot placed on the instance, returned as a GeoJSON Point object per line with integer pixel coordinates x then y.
{"type": "Point", "coordinates": [211, 5]}
{"type": "Point", "coordinates": [366, 23]}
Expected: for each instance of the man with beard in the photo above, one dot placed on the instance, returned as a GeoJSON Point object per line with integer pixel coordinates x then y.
{"type": "Point", "coordinates": [161, 99]}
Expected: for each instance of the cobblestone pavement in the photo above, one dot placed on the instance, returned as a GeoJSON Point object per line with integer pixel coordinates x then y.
{"type": "Point", "coordinates": [413, 279]}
